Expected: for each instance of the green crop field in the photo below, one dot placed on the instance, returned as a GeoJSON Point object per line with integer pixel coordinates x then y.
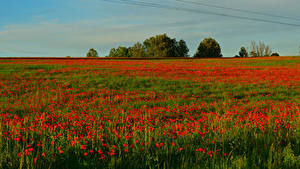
{"type": "Point", "coordinates": [185, 113]}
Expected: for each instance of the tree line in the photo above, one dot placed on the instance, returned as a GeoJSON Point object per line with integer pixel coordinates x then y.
{"type": "Point", "coordinates": [164, 46]}
{"type": "Point", "coordinates": [257, 50]}
{"type": "Point", "coordinates": [158, 46]}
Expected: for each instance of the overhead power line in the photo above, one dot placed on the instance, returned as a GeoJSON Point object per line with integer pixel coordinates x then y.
{"type": "Point", "coordinates": [237, 9]}
{"type": "Point", "coordinates": [163, 6]}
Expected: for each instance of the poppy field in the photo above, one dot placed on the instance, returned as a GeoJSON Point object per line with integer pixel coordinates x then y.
{"type": "Point", "coordinates": [171, 113]}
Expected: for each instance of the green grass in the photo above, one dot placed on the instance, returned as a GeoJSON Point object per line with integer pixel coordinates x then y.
{"type": "Point", "coordinates": [87, 97]}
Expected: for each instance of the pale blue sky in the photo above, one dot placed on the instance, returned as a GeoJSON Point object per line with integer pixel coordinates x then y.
{"type": "Point", "coordinates": [45, 28]}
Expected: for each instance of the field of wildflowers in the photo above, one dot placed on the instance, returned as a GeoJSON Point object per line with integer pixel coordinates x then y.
{"type": "Point", "coordinates": [205, 113]}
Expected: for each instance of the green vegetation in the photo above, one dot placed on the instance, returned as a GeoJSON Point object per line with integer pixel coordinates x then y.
{"type": "Point", "coordinates": [157, 46]}
{"type": "Point", "coordinates": [275, 54]}
{"type": "Point", "coordinates": [201, 113]}
{"type": "Point", "coordinates": [243, 53]}
{"type": "Point", "coordinates": [208, 48]}
{"type": "Point", "coordinates": [92, 53]}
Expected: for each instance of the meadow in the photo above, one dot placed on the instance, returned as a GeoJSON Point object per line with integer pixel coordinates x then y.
{"type": "Point", "coordinates": [185, 113]}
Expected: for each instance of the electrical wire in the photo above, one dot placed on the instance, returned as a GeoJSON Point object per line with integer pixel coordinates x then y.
{"type": "Point", "coordinates": [237, 9]}
{"type": "Point", "coordinates": [190, 10]}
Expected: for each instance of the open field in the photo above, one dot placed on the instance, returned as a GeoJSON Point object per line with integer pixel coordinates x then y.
{"type": "Point", "coordinates": [187, 113]}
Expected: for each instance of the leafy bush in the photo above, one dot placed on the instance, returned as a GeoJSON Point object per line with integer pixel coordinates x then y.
{"type": "Point", "coordinates": [92, 53]}
{"type": "Point", "coordinates": [275, 54]}
{"type": "Point", "coordinates": [243, 52]}
{"type": "Point", "coordinates": [209, 48]}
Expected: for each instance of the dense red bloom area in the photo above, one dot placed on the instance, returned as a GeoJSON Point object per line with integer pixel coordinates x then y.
{"type": "Point", "coordinates": [251, 70]}
{"type": "Point", "coordinates": [44, 111]}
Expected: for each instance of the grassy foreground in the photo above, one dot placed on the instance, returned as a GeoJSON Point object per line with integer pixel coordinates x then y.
{"type": "Point", "coordinates": [210, 113]}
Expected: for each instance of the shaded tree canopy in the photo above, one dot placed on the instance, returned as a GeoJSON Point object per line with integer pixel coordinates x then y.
{"type": "Point", "coordinates": [208, 48]}
{"type": "Point", "coordinates": [112, 52]}
{"type": "Point", "coordinates": [119, 52]}
{"type": "Point", "coordinates": [275, 54]}
{"type": "Point", "coordinates": [160, 46]}
{"type": "Point", "coordinates": [181, 49]}
{"type": "Point", "coordinates": [164, 46]}
{"type": "Point", "coordinates": [137, 50]}
{"type": "Point", "coordinates": [92, 53]}
{"type": "Point", "coordinates": [243, 52]}
{"type": "Point", "coordinates": [156, 46]}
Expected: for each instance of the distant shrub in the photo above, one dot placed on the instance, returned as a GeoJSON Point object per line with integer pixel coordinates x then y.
{"type": "Point", "coordinates": [275, 54]}
{"type": "Point", "coordinates": [92, 53]}
{"type": "Point", "coordinates": [208, 48]}
{"type": "Point", "coordinates": [243, 52]}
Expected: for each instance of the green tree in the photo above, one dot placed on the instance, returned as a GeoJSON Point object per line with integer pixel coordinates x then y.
{"type": "Point", "coordinates": [112, 52]}
{"type": "Point", "coordinates": [137, 50]}
{"type": "Point", "coordinates": [181, 49]}
{"type": "Point", "coordinates": [119, 52]}
{"type": "Point", "coordinates": [243, 52]}
{"type": "Point", "coordinates": [160, 46]}
{"type": "Point", "coordinates": [122, 52]}
{"type": "Point", "coordinates": [157, 46]}
{"type": "Point", "coordinates": [209, 48]}
{"type": "Point", "coordinates": [92, 53]}
{"type": "Point", "coordinates": [275, 54]}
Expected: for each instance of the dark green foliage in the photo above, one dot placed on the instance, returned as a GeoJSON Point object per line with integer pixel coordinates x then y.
{"type": "Point", "coordinates": [160, 46]}
{"type": "Point", "coordinates": [208, 48]}
{"type": "Point", "coordinates": [92, 53]}
{"type": "Point", "coordinates": [112, 52]}
{"type": "Point", "coordinates": [137, 50]}
{"type": "Point", "coordinates": [243, 52]}
{"type": "Point", "coordinates": [119, 52]}
{"type": "Point", "coordinates": [164, 46]}
{"type": "Point", "coordinates": [157, 46]}
{"type": "Point", "coordinates": [181, 49]}
{"type": "Point", "coordinates": [275, 54]}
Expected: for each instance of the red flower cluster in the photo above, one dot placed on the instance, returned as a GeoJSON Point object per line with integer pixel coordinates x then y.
{"type": "Point", "coordinates": [51, 116]}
